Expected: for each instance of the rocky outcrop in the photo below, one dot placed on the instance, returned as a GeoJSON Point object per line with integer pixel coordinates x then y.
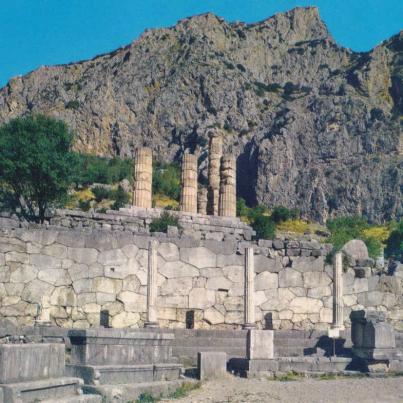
{"type": "Point", "coordinates": [316, 126]}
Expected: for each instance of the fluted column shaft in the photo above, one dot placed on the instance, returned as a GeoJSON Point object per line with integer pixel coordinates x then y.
{"type": "Point", "coordinates": [215, 154]}
{"type": "Point", "coordinates": [143, 169]}
{"type": "Point", "coordinates": [227, 207]}
{"type": "Point", "coordinates": [338, 319]}
{"type": "Point", "coordinates": [152, 285]}
{"type": "Point", "coordinates": [249, 300]}
{"type": "Point", "coordinates": [189, 184]}
{"type": "Point", "coordinates": [202, 201]}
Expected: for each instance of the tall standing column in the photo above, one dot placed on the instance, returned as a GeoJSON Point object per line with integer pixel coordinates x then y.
{"type": "Point", "coordinates": [143, 171]}
{"type": "Point", "coordinates": [338, 320]}
{"type": "Point", "coordinates": [202, 201]}
{"type": "Point", "coordinates": [189, 184]}
{"type": "Point", "coordinates": [152, 285]}
{"type": "Point", "coordinates": [215, 154]}
{"type": "Point", "coordinates": [249, 300]}
{"type": "Point", "coordinates": [227, 207]}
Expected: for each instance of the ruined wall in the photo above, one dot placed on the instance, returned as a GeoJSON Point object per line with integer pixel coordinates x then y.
{"type": "Point", "coordinates": [75, 274]}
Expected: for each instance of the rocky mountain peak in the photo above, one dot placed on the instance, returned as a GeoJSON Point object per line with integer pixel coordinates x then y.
{"type": "Point", "coordinates": [314, 125]}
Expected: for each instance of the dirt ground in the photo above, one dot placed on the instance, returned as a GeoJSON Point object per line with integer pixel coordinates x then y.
{"type": "Point", "coordinates": [236, 390]}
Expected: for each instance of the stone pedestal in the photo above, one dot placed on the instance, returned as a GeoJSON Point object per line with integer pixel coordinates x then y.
{"type": "Point", "coordinates": [227, 207]}
{"type": "Point", "coordinates": [202, 201]}
{"type": "Point", "coordinates": [373, 338]}
{"type": "Point", "coordinates": [211, 364]}
{"type": "Point", "coordinates": [189, 184]}
{"type": "Point", "coordinates": [215, 154]}
{"type": "Point", "coordinates": [338, 319]}
{"type": "Point", "coordinates": [143, 168]}
{"type": "Point", "coordinates": [152, 285]}
{"type": "Point", "coordinates": [249, 303]}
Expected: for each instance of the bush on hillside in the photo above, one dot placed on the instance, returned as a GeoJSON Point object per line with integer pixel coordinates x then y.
{"type": "Point", "coordinates": [281, 214]}
{"type": "Point", "coordinates": [166, 180]}
{"type": "Point", "coordinates": [162, 223]}
{"type": "Point", "coordinates": [265, 228]}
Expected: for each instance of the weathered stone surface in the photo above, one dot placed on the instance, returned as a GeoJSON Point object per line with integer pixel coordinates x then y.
{"type": "Point", "coordinates": [316, 279]}
{"type": "Point", "coordinates": [23, 274]}
{"type": "Point", "coordinates": [216, 283]}
{"type": "Point", "coordinates": [213, 316]}
{"type": "Point", "coordinates": [266, 280]}
{"type": "Point", "coordinates": [200, 298]}
{"type": "Point", "coordinates": [34, 291]}
{"type": "Point", "coordinates": [211, 365]}
{"type": "Point", "coordinates": [319, 292]}
{"type": "Point", "coordinates": [263, 263]}
{"type": "Point", "coordinates": [169, 251]}
{"type": "Point", "coordinates": [101, 284]}
{"type": "Point", "coordinates": [177, 286]}
{"type": "Point", "coordinates": [125, 319]}
{"type": "Point", "coordinates": [290, 278]}
{"type": "Point", "coordinates": [305, 305]}
{"type": "Point", "coordinates": [307, 264]}
{"type": "Point", "coordinates": [356, 249]}
{"type": "Point", "coordinates": [178, 269]}
{"type": "Point", "coordinates": [200, 257]}
{"type": "Point", "coordinates": [260, 344]}
{"type": "Point", "coordinates": [112, 257]}
{"type": "Point", "coordinates": [55, 250]}
{"type": "Point", "coordinates": [132, 301]}
{"type": "Point", "coordinates": [45, 262]}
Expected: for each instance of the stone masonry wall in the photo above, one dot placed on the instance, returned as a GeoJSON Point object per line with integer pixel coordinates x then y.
{"type": "Point", "coordinates": [74, 274]}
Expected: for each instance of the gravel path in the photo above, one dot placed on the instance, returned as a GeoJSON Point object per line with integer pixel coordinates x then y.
{"type": "Point", "coordinates": [346, 390]}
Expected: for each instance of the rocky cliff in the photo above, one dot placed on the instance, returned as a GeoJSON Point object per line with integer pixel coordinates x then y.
{"type": "Point", "coordinates": [316, 126]}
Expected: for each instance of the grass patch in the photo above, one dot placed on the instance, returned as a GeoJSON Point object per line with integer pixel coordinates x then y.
{"type": "Point", "coordinates": [162, 223]}
{"type": "Point", "coordinates": [182, 391]}
{"type": "Point", "coordinates": [288, 377]}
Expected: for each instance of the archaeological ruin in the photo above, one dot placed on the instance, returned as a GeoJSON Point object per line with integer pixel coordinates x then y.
{"type": "Point", "coordinates": [135, 308]}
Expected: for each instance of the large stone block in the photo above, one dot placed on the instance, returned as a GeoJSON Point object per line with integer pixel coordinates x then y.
{"type": "Point", "coordinates": [169, 251]}
{"type": "Point", "coordinates": [305, 264]}
{"type": "Point", "coordinates": [211, 364]}
{"type": "Point", "coordinates": [356, 249]}
{"type": "Point", "coordinates": [26, 362]}
{"type": "Point", "coordinates": [213, 316]}
{"type": "Point", "coordinates": [305, 305]}
{"type": "Point", "coordinates": [177, 286]}
{"type": "Point", "coordinates": [290, 278]}
{"type": "Point", "coordinates": [260, 344]}
{"type": "Point", "coordinates": [178, 269]}
{"type": "Point", "coordinates": [200, 298]}
{"type": "Point", "coordinates": [218, 283]}
{"type": "Point", "coordinates": [112, 257]}
{"type": "Point", "coordinates": [316, 279]}
{"type": "Point", "coordinates": [45, 262]}
{"type": "Point", "coordinates": [263, 263]}
{"type": "Point", "coordinates": [200, 257]}
{"type": "Point", "coordinates": [266, 280]}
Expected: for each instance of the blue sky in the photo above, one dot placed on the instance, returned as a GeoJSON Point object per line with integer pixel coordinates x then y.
{"type": "Point", "coordinates": [46, 32]}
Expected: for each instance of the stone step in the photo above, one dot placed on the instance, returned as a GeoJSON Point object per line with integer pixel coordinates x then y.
{"type": "Point", "coordinates": [206, 342]}
{"type": "Point", "coordinates": [288, 352]}
{"type": "Point", "coordinates": [313, 364]}
{"type": "Point", "coordinates": [75, 399]}
{"type": "Point", "coordinates": [131, 392]}
{"type": "Point", "coordinates": [124, 374]}
{"type": "Point", "coordinates": [32, 391]}
{"type": "Point", "coordinates": [295, 343]}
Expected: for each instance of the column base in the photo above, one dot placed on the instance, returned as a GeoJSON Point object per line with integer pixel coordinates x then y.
{"type": "Point", "coordinates": [248, 326]}
{"type": "Point", "coordinates": [151, 325]}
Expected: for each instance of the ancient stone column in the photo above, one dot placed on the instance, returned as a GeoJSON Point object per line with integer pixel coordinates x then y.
{"type": "Point", "coordinates": [189, 184]}
{"type": "Point", "coordinates": [338, 320]}
{"type": "Point", "coordinates": [152, 285]}
{"type": "Point", "coordinates": [227, 207]}
{"type": "Point", "coordinates": [249, 300]}
{"type": "Point", "coordinates": [215, 154]}
{"type": "Point", "coordinates": [202, 201]}
{"type": "Point", "coordinates": [143, 171]}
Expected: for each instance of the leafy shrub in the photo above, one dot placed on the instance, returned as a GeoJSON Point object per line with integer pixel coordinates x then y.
{"type": "Point", "coordinates": [72, 105]}
{"type": "Point", "coordinates": [92, 169]}
{"type": "Point", "coordinates": [147, 398]}
{"type": "Point", "coordinates": [101, 193]}
{"type": "Point", "coordinates": [280, 214]}
{"type": "Point", "coordinates": [166, 180]}
{"type": "Point", "coordinates": [161, 223]}
{"type": "Point", "coordinates": [84, 205]}
{"type": "Point", "coordinates": [265, 228]}
{"type": "Point", "coordinates": [121, 198]}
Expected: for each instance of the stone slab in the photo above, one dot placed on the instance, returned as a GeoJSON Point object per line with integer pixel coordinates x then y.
{"type": "Point", "coordinates": [211, 364]}
{"type": "Point", "coordinates": [29, 362]}
{"type": "Point", "coordinates": [33, 391]}
{"type": "Point", "coordinates": [259, 344]}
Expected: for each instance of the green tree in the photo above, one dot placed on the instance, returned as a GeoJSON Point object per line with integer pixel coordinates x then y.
{"type": "Point", "coordinates": [36, 162]}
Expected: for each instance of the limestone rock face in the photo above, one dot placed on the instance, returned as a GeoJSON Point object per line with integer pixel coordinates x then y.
{"type": "Point", "coordinates": [315, 125]}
